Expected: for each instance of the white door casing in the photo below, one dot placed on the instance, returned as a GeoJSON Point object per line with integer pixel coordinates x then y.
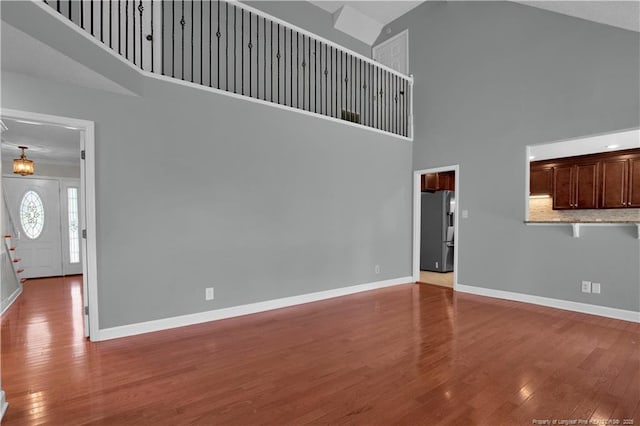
{"type": "Point", "coordinates": [87, 210]}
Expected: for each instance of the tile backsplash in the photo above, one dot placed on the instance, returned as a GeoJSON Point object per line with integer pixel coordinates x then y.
{"type": "Point", "coordinates": [541, 209]}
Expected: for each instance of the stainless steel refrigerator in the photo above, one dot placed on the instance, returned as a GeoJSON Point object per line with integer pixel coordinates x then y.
{"type": "Point", "coordinates": [436, 231]}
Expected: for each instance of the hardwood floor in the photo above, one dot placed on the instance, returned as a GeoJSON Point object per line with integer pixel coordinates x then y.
{"type": "Point", "coordinates": [409, 354]}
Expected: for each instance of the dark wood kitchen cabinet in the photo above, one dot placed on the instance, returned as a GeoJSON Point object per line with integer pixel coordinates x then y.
{"type": "Point", "coordinates": [438, 181]}
{"type": "Point", "coordinates": [575, 186]}
{"type": "Point", "coordinates": [605, 180]}
{"type": "Point", "coordinates": [615, 183]}
{"type": "Point", "coordinates": [540, 180]}
{"type": "Point", "coordinates": [634, 182]}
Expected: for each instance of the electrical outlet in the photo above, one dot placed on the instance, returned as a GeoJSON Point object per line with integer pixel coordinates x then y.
{"type": "Point", "coordinates": [436, 265]}
{"type": "Point", "coordinates": [465, 214]}
{"type": "Point", "coordinates": [208, 293]}
{"type": "Point", "coordinates": [586, 286]}
{"type": "Point", "coordinates": [595, 288]}
{"type": "Point", "coordinates": [377, 269]}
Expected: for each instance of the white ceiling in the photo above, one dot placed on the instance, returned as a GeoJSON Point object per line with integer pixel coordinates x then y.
{"type": "Point", "coordinates": [47, 143]}
{"type": "Point", "coordinates": [588, 145]}
{"type": "Point", "coordinates": [376, 14]}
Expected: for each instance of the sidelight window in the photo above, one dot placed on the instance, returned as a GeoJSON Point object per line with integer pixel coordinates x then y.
{"type": "Point", "coordinates": [74, 236]}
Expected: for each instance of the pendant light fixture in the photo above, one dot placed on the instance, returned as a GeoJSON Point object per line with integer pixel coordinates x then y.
{"type": "Point", "coordinates": [23, 166]}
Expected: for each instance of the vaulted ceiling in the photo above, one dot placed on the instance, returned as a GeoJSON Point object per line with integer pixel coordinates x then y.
{"type": "Point", "coordinates": [365, 20]}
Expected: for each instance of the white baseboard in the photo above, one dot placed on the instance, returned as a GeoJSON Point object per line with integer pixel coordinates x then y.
{"type": "Point", "coordinates": [3, 404]}
{"type": "Point", "coordinates": [235, 311]}
{"type": "Point", "coordinates": [567, 305]}
{"type": "Point", "coordinates": [11, 299]}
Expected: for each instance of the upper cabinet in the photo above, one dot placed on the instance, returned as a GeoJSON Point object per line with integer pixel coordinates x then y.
{"type": "Point", "coordinates": [439, 181]}
{"type": "Point", "coordinates": [605, 180]}
{"type": "Point", "coordinates": [541, 180]}
{"type": "Point", "coordinates": [633, 199]}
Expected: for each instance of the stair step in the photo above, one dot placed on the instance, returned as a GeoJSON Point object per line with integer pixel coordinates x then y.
{"type": "Point", "coordinates": [16, 260]}
{"type": "Point", "coordinates": [19, 271]}
{"type": "Point", "coordinates": [8, 236]}
{"type": "Point", "coordinates": [23, 280]}
{"type": "Point", "coordinates": [12, 249]}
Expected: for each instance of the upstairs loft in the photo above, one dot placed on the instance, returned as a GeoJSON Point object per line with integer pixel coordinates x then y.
{"type": "Point", "coordinates": [231, 47]}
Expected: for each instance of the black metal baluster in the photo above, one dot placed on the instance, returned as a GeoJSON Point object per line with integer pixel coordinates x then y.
{"type": "Point", "coordinates": [326, 79]}
{"type": "Point", "coordinates": [297, 70]}
{"type": "Point", "coordinates": [70, 13]}
{"type": "Point", "coordinates": [369, 78]}
{"type": "Point", "coordinates": [360, 90]}
{"type": "Point", "coordinates": [336, 84]}
{"type": "Point", "coordinates": [91, 15]}
{"type": "Point", "coordinates": [271, 58]}
{"type": "Point", "coordinates": [126, 27]}
{"type": "Point", "coordinates": [242, 51]}
{"type": "Point", "coordinates": [291, 66]}
{"type": "Point", "coordinates": [389, 102]}
{"type": "Point", "coordinates": [140, 9]}
{"type": "Point", "coordinates": [173, 39]}
{"type": "Point", "coordinates": [218, 37]}
{"type": "Point", "coordinates": [192, 24]}
{"type": "Point", "coordinates": [341, 91]}
{"type": "Point", "coordinates": [304, 75]}
{"type": "Point", "coordinates": [309, 63]}
{"type": "Point", "coordinates": [234, 49]}
{"type": "Point", "coordinates": [250, 46]}
{"type": "Point", "coordinates": [58, 5]}
{"type": "Point", "coordinates": [226, 45]}
{"type": "Point", "coordinates": [284, 64]}
{"type": "Point", "coordinates": [278, 58]}
{"type": "Point", "coordinates": [264, 57]}
{"type": "Point", "coordinates": [210, 44]}
{"type": "Point", "coordinates": [201, 43]}
{"type": "Point", "coordinates": [111, 21]}
{"type": "Point", "coordinates": [397, 98]}
{"type": "Point", "coordinates": [351, 89]}
{"type": "Point", "coordinates": [182, 23]}
{"type": "Point", "coordinates": [331, 79]}
{"type": "Point", "coordinates": [133, 29]}
{"type": "Point", "coordinates": [320, 76]}
{"type": "Point", "coordinates": [376, 97]}
{"type": "Point", "coordinates": [161, 36]}
{"type": "Point", "coordinates": [152, 39]}
{"type": "Point", "coordinates": [257, 56]}
{"type": "Point", "coordinates": [82, 15]}
{"type": "Point", "coordinates": [102, 21]}
{"type": "Point", "coordinates": [315, 75]}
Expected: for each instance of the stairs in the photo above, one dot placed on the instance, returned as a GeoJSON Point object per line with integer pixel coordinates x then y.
{"type": "Point", "coordinates": [11, 250]}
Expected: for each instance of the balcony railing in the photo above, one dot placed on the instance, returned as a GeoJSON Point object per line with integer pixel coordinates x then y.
{"type": "Point", "coordinates": [232, 47]}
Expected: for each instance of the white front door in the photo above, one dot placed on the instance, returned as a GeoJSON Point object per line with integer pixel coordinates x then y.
{"type": "Point", "coordinates": [34, 206]}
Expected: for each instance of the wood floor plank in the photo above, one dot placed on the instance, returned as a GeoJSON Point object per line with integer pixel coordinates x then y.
{"type": "Point", "coordinates": [406, 355]}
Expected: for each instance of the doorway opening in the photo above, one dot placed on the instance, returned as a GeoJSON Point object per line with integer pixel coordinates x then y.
{"type": "Point", "coordinates": [435, 226]}
{"type": "Point", "coordinates": [49, 216]}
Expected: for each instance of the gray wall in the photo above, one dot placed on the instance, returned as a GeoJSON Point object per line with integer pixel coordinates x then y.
{"type": "Point", "coordinates": [196, 189]}
{"type": "Point", "coordinates": [493, 77]}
